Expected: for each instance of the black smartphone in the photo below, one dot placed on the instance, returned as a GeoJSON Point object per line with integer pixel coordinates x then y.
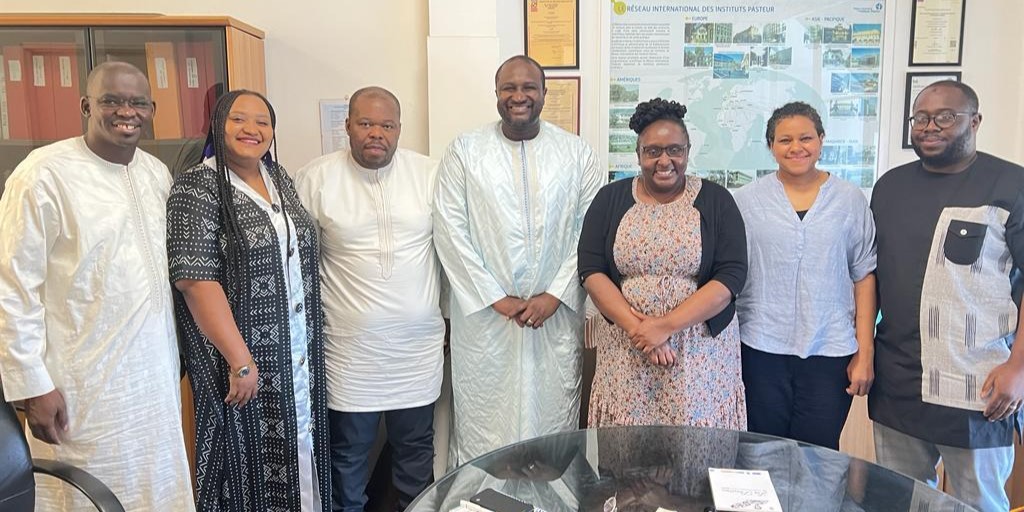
{"type": "Point", "coordinates": [499, 502]}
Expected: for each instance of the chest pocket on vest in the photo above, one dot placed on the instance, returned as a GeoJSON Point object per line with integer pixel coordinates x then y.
{"type": "Point", "coordinates": [964, 241]}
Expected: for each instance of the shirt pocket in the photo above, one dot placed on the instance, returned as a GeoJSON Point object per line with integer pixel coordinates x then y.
{"type": "Point", "coordinates": [964, 241]}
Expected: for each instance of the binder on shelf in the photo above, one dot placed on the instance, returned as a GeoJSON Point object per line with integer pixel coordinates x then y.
{"type": "Point", "coordinates": [18, 99]}
{"type": "Point", "coordinates": [195, 86]}
{"type": "Point", "coordinates": [43, 94]}
{"type": "Point", "coordinates": [42, 110]}
{"type": "Point", "coordinates": [67, 93]}
{"type": "Point", "coordinates": [5, 132]}
{"type": "Point", "coordinates": [162, 68]}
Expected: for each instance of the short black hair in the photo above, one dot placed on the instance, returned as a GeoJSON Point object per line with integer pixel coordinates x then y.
{"type": "Point", "coordinates": [374, 91]}
{"type": "Point", "coordinates": [527, 59]}
{"type": "Point", "coordinates": [658, 109]}
{"type": "Point", "coordinates": [793, 109]}
{"type": "Point", "coordinates": [968, 91]}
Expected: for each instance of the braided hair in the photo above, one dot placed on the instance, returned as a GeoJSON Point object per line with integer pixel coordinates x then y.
{"type": "Point", "coordinates": [237, 275]}
{"type": "Point", "coordinates": [658, 109]}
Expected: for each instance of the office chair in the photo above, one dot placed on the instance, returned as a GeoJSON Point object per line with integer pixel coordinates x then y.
{"type": "Point", "coordinates": [17, 469]}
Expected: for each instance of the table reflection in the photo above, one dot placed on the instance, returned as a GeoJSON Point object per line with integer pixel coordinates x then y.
{"type": "Point", "coordinates": [643, 468]}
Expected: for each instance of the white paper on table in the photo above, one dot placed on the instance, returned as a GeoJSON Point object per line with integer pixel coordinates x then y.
{"type": "Point", "coordinates": [743, 490]}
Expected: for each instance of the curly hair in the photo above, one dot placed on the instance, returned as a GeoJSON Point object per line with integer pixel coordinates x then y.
{"type": "Point", "coordinates": [793, 109]}
{"type": "Point", "coordinates": [658, 109]}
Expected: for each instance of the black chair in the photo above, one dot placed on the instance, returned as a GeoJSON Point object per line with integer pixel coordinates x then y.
{"type": "Point", "coordinates": [17, 468]}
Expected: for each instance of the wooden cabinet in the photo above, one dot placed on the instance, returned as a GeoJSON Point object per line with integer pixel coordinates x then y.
{"type": "Point", "coordinates": [189, 60]}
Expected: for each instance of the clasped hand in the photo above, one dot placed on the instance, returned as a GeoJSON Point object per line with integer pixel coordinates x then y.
{"type": "Point", "coordinates": [649, 335]}
{"type": "Point", "coordinates": [532, 312]}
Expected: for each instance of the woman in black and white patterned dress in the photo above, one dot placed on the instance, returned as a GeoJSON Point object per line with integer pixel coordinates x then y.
{"type": "Point", "coordinates": [243, 256]}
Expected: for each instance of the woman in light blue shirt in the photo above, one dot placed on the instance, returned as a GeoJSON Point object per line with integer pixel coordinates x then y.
{"type": "Point", "coordinates": [807, 310]}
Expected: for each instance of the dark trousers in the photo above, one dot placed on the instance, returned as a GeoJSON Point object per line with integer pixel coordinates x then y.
{"type": "Point", "coordinates": [802, 399]}
{"type": "Point", "coordinates": [411, 437]}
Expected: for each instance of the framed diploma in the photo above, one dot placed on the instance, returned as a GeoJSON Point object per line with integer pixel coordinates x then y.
{"type": "Point", "coordinates": [916, 82]}
{"type": "Point", "coordinates": [553, 33]}
{"type": "Point", "coordinates": [562, 103]}
{"type": "Point", "coordinates": [937, 32]}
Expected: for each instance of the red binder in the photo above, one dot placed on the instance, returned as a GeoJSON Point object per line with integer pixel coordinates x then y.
{"type": "Point", "coordinates": [18, 98]}
{"type": "Point", "coordinates": [39, 82]}
{"type": "Point", "coordinates": [43, 93]}
{"type": "Point", "coordinates": [67, 93]}
{"type": "Point", "coordinates": [196, 76]}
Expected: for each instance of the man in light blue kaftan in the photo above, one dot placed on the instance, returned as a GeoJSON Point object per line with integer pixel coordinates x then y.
{"type": "Point", "coordinates": [509, 207]}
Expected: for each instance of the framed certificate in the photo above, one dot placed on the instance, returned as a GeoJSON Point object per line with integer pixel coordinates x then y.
{"type": "Point", "coordinates": [937, 32]}
{"type": "Point", "coordinates": [553, 33]}
{"type": "Point", "coordinates": [916, 82]}
{"type": "Point", "coordinates": [562, 103]}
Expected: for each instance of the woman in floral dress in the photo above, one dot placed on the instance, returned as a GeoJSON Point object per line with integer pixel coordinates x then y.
{"type": "Point", "coordinates": [663, 256]}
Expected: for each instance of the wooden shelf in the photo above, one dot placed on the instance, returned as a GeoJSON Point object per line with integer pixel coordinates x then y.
{"type": "Point", "coordinates": [124, 20]}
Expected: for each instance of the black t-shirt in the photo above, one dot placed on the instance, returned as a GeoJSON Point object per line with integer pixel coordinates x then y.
{"type": "Point", "coordinates": [907, 203]}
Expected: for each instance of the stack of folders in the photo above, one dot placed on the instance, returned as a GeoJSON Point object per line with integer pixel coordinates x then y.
{"type": "Point", "coordinates": [490, 500]}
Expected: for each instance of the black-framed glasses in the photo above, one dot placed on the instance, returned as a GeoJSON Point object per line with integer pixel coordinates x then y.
{"type": "Point", "coordinates": [139, 104]}
{"type": "Point", "coordinates": [920, 120]}
{"type": "Point", "coordinates": [673, 151]}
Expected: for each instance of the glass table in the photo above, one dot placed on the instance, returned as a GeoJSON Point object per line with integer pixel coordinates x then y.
{"type": "Point", "coordinates": [643, 468]}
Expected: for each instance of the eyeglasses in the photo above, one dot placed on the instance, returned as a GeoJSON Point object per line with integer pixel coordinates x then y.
{"type": "Point", "coordinates": [673, 151]}
{"type": "Point", "coordinates": [942, 120]}
{"type": "Point", "coordinates": [115, 102]}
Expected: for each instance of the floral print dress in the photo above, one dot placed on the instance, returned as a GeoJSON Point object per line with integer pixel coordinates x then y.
{"type": "Point", "coordinates": [658, 251]}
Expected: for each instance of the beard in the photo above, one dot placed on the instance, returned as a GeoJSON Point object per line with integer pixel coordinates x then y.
{"type": "Point", "coordinates": [955, 151]}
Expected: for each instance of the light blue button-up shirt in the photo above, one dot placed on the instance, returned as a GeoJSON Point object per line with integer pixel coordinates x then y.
{"type": "Point", "coordinates": [798, 299]}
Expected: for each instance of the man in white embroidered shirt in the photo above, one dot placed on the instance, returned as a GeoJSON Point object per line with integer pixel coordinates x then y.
{"type": "Point", "coordinates": [510, 202]}
{"type": "Point", "coordinates": [381, 284]}
{"type": "Point", "coordinates": [86, 320]}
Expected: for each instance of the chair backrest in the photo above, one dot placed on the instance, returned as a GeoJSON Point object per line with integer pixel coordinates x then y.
{"type": "Point", "coordinates": [17, 484]}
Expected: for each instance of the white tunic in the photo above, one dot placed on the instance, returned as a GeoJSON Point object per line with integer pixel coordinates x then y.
{"type": "Point", "coordinates": [383, 330]}
{"type": "Point", "coordinates": [85, 307]}
{"type": "Point", "coordinates": [507, 221]}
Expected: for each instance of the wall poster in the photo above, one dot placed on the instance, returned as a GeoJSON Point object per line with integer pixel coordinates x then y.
{"type": "Point", "coordinates": [732, 62]}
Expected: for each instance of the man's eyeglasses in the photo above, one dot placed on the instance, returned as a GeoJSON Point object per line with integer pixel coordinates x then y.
{"type": "Point", "coordinates": [116, 102]}
{"type": "Point", "coordinates": [673, 151]}
{"type": "Point", "coordinates": [942, 120]}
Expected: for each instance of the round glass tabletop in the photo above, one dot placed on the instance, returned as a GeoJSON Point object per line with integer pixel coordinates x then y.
{"type": "Point", "coordinates": [644, 468]}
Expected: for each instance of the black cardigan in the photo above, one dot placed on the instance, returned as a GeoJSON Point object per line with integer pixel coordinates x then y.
{"type": "Point", "coordinates": [723, 240]}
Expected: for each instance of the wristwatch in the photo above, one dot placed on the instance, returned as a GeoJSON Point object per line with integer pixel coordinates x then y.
{"type": "Point", "coordinates": [243, 371]}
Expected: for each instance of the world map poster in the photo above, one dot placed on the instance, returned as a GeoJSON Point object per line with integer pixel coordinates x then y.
{"type": "Point", "coordinates": [732, 62]}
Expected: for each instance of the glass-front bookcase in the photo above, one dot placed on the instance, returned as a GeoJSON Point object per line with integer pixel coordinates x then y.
{"type": "Point", "coordinates": [189, 61]}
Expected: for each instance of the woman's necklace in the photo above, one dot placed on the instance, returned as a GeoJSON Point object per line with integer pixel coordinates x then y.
{"type": "Point", "coordinates": [672, 199]}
